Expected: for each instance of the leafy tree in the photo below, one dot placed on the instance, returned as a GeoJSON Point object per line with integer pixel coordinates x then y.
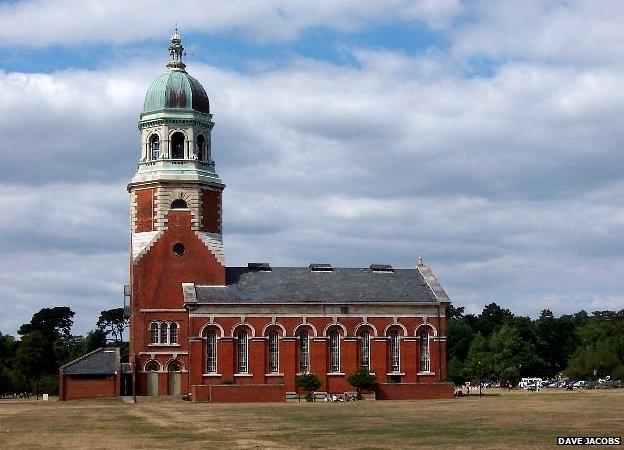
{"type": "Point", "coordinates": [555, 341]}
{"type": "Point", "coordinates": [491, 318]}
{"type": "Point", "coordinates": [112, 322]}
{"type": "Point", "coordinates": [50, 322]}
{"type": "Point", "coordinates": [459, 336]}
{"type": "Point", "coordinates": [309, 382]}
{"type": "Point", "coordinates": [93, 340]}
{"type": "Point", "coordinates": [602, 360]}
{"type": "Point", "coordinates": [7, 349]}
{"type": "Point", "coordinates": [362, 379]}
{"type": "Point", "coordinates": [33, 358]}
{"type": "Point", "coordinates": [512, 355]}
{"type": "Point", "coordinates": [479, 360]}
{"type": "Point", "coordinates": [456, 371]}
{"type": "Point", "coordinates": [454, 313]}
{"type": "Point", "coordinates": [68, 348]}
{"type": "Point", "coordinates": [6, 384]}
{"type": "Point", "coordinates": [53, 325]}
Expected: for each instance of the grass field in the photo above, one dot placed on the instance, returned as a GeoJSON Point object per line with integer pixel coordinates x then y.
{"type": "Point", "coordinates": [501, 420]}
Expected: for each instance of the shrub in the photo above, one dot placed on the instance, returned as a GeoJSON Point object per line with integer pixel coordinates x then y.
{"type": "Point", "coordinates": [362, 379]}
{"type": "Point", "coordinates": [309, 382]}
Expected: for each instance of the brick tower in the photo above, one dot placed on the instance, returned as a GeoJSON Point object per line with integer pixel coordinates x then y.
{"type": "Point", "coordinates": [176, 236]}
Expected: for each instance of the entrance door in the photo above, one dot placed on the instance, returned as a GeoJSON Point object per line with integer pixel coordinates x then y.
{"type": "Point", "coordinates": [151, 377]}
{"type": "Point", "coordinates": [174, 378]}
{"type": "Point", "coordinates": [152, 383]}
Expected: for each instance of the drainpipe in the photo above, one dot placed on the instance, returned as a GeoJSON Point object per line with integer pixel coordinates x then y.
{"type": "Point", "coordinates": [439, 346]}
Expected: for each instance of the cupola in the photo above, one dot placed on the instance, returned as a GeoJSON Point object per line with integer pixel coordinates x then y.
{"type": "Point", "coordinates": [176, 89]}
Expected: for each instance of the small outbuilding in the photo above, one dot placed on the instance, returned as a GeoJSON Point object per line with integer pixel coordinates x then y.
{"type": "Point", "coordinates": [94, 375]}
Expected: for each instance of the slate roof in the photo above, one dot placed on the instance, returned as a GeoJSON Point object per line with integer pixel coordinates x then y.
{"type": "Point", "coordinates": [302, 285]}
{"type": "Point", "coordinates": [103, 361]}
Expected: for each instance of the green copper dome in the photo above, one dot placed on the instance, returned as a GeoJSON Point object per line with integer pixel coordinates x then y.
{"type": "Point", "coordinates": [176, 89]}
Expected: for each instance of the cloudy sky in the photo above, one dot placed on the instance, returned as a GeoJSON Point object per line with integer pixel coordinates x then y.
{"type": "Point", "coordinates": [485, 136]}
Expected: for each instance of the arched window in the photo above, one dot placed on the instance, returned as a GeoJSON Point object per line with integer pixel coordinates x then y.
{"type": "Point", "coordinates": [394, 351]}
{"type": "Point", "coordinates": [364, 348]}
{"type": "Point", "coordinates": [164, 332]}
{"type": "Point", "coordinates": [177, 146]}
{"type": "Point", "coordinates": [273, 353]}
{"type": "Point", "coordinates": [334, 351]}
{"type": "Point", "coordinates": [211, 352]}
{"type": "Point", "coordinates": [154, 147]}
{"type": "Point", "coordinates": [304, 352]}
{"type": "Point", "coordinates": [425, 365]}
{"type": "Point", "coordinates": [154, 333]}
{"type": "Point", "coordinates": [200, 147]}
{"type": "Point", "coordinates": [152, 366]}
{"type": "Point", "coordinates": [173, 333]}
{"type": "Point", "coordinates": [179, 203]}
{"type": "Point", "coordinates": [174, 366]}
{"type": "Point", "coordinates": [241, 353]}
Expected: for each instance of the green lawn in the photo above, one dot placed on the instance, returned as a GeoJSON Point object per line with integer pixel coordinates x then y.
{"type": "Point", "coordinates": [501, 419]}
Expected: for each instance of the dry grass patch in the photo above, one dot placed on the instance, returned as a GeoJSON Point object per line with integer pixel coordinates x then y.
{"type": "Point", "coordinates": [503, 420]}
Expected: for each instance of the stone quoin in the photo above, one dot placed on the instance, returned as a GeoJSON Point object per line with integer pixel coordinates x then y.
{"type": "Point", "coordinates": [243, 333]}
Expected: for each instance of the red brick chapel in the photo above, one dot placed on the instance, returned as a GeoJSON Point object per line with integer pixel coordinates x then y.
{"type": "Point", "coordinates": [243, 333]}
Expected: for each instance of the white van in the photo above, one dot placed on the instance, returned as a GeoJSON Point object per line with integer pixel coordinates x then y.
{"type": "Point", "coordinates": [526, 382]}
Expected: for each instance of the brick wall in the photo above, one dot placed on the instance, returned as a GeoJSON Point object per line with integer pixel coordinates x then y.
{"type": "Point", "coordinates": [74, 388]}
{"type": "Point", "coordinates": [211, 211]}
{"type": "Point", "coordinates": [319, 352]}
{"type": "Point", "coordinates": [157, 279]}
{"type": "Point", "coordinates": [223, 393]}
{"type": "Point", "coordinates": [414, 391]}
{"type": "Point", "coordinates": [143, 204]}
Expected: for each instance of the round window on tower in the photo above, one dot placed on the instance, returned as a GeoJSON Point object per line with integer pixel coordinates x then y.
{"type": "Point", "coordinates": [179, 249]}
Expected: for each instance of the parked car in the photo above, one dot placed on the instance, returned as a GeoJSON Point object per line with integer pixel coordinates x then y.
{"type": "Point", "coordinates": [581, 384]}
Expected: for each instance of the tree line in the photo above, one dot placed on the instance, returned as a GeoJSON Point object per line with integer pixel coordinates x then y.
{"type": "Point", "coordinates": [31, 364]}
{"type": "Point", "coordinates": [497, 345]}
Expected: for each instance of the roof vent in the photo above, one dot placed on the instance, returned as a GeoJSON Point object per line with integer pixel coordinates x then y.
{"type": "Point", "coordinates": [381, 268]}
{"type": "Point", "coordinates": [316, 267]}
{"type": "Point", "coordinates": [259, 266]}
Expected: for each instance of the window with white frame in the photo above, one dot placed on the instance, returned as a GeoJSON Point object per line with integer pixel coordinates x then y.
{"type": "Point", "coordinates": [154, 329]}
{"type": "Point", "coordinates": [304, 351]}
{"type": "Point", "coordinates": [273, 352]}
{"type": "Point", "coordinates": [173, 333]}
{"type": "Point", "coordinates": [152, 366]}
{"type": "Point", "coordinates": [424, 352]}
{"type": "Point", "coordinates": [364, 350]}
{"type": "Point", "coordinates": [211, 352]}
{"type": "Point", "coordinates": [164, 333]}
{"type": "Point", "coordinates": [395, 352]}
{"type": "Point", "coordinates": [241, 353]}
{"type": "Point", "coordinates": [334, 351]}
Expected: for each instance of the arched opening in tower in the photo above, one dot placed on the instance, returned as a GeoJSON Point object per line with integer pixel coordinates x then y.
{"type": "Point", "coordinates": [177, 146]}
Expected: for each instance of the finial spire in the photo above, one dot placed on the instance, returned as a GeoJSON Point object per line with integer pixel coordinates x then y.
{"type": "Point", "coordinates": [176, 51]}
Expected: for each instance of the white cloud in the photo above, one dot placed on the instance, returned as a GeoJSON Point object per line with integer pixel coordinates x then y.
{"type": "Point", "coordinates": [575, 32]}
{"type": "Point", "coordinates": [509, 185]}
{"type": "Point", "coordinates": [40, 23]}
